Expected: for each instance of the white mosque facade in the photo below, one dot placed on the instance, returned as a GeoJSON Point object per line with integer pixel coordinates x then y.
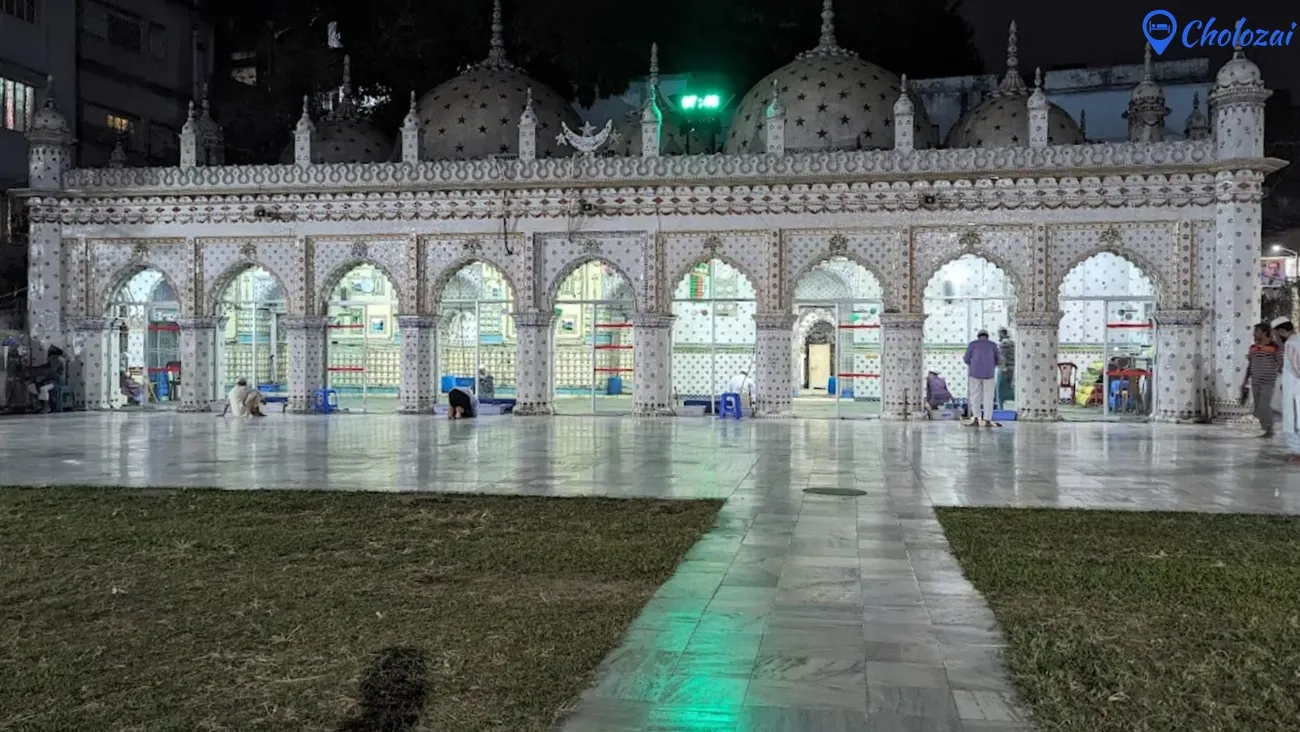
{"type": "Point", "coordinates": [834, 246]}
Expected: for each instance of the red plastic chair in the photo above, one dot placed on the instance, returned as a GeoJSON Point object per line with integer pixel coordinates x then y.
{"type": "Point", "coordinates": [1067, 372]}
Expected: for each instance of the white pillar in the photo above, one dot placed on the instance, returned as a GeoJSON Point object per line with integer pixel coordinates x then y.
{"type": "Point", "coordinates": [411, 130]}
{"type": "Point", "coordinates": [528, 130]}
{"type": "Point", "coordinates": [904, 119]}
{"type": "Point", "coordinates": [91, 373]}
{"type": "Point", "coordinates": [1037, 378]}
{"type": "Point", "coordinates": [773, 385]}
{"type": "Point", "coordinates": [198, 341]}
{"type": "Point", "coordinates": [1176, 391]}
{"type": "Point", "coordinates": [418, 393]}
{"type": "Point", "coordinates": [302, 137]}
{"type": "Point", "coordinates": [536, 392]}
{"type": "Point", "coordinates": [1038, 112]}
{"type": "Point", "coordinates": [306, 360]}
{"type": "Point", "coordinates": [652, 355]}
{"type": "Point", "coordinates": [902, 394]}
{"type": "Point", "coordinates": [774, 124]}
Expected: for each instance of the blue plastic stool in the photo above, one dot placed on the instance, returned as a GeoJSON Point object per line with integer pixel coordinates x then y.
{"type": "Point", "coordinates": [325, 401]}
{"type": "Point", "coordinates": [729, 404]}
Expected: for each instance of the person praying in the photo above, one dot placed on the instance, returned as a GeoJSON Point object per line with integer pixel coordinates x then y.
{"type": "Point", "coordinates": [244, 401]}
{"type": "Point", "coordinates": [981, 359]}
{"type": "Point", "coordinates": [461, 404]}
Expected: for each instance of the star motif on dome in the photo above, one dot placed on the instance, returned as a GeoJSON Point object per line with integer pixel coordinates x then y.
{"type": "Point", "coordinates": [821, 85]}
{"type": "Point", "coordinates": [460, 120]}
{"type": "Point", "coordinates": [844, 119]}
{"type": "Point", "coordinates": [843, 94]}
{"type": "Point", "coordinates": [1015, 139]}
{"type": "Point", "coordinates": [460, 147]}
{"type": "Point", "coordinates": [442, 130]}
{"type": "Point", "coordinates": [821, 134]}
{"type": "Point", "coordinates": [447, 106]}
{"type": "Point", "coordinates": [482, 129]}
{"type": "Point", "coordinates": [866, 107]}
{"type": "Point", "coordinates": [821, 107]}
{"type": "Point", "coordinates": [798, 122]}
{"type": "Point", "coordinates": [801, 96]}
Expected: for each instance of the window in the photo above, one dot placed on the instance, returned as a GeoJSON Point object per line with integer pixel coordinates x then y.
{"type": "Point", "coordinates": [17, 105]}
{"type": "Point", "coordinates": [21, 9]}
{"type": "Point", "coordinates": [158, 41]}
{"type": "Point", "coordinates": [118, 124]}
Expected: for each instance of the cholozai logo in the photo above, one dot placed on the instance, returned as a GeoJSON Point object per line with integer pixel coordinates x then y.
{"type": "Point", "coordinates": [1161, 28]}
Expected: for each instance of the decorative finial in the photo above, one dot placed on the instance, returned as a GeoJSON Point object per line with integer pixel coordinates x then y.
{"type": "Point", "coordinates": [191, 119]}
{"type": "Point", "coordinates": [1196, 102]}
{"type": "Point", "coordinates": [1011, 83]}
{"type": "Point", "coordinates": [775, 108]}
{"type": "Point", "coordinates": [411, 109]}
{"type": "Point", "coordinates": [304, 122]}
{"type": "Point", "coordinates": [1146, 64]}
{"type": "Point", "coordinates": [497, 50]}
{"type": "Point", "coordinates": [49, 91]}
{"type": "Point", "coordinates": [1013, 59]}
{"type": "Point", "coordinates": [902, 84]}
{"type": "Point", "coordinates": [412, 118]}
{"type": "Point", "coordinates": [654, 65]}
{"type": "Point", "coordinates": [529, 114]}
{"type": "Point", "coordinates": [347, 74]}
{"type": "Point", "coordinates": [1083, 124]}
{"type": "Point", "coordinates": [828, 25]}
{"type": "Point", "coordinates": [1038, 78]}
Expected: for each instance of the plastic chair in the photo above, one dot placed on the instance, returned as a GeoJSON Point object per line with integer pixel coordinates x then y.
{"type": "Point", "coordinates": [1119, 395]}
{"type": "Point", "coordinates": [62, 398]}
{"type": "Point", "coordinates": [1067, 372]}
{"type": "Point", "coordinates": [729, 404]}
{"type": "Point", "coordinates": [325, 401]}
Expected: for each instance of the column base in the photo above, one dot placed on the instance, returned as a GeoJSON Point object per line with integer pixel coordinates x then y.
{"type": "Point", "coordinates": [190, 408]}
{"type": "Point", "coordinates": [1176, 419]}
{"type": "Point", "coordinates": [1037, 415]}
{"type": "Point", "coordinates": [534, 410]}
{"type": "Point", "coordinates": [1233, 413]}
{"type": "Point", "coordinates": [653, 412]}
{"type": "Point", "coordinates": [416, 411]}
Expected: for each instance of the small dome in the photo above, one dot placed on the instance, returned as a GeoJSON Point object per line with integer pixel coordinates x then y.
{"type": "Point", "coordinates": [1148, 91]}
{"type": "Point", "coordinates": [1002, 120]}
{"type": "Point", "coordinates": [1239, 71]}
{"type": "Point", "coordinates": [476, 114]}
{"type": "Point", "coordinates": [48, 119]}
{"type": "Point", "coordinates": [832, 98]}
{"type": "Point", "coordinates": [344, 136]}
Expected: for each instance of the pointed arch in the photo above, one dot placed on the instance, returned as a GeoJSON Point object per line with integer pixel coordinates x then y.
{"type": "Point", "coordinates": [1146, 267]}
{"type": "Point", "coordinates": [439, 283]}
{"type": "Point", "coordinates": [705, 258]}
{"type": "Point", "coordinates": [573, 265]}
{"type": "Point", "coordinates": [231, 273]}
{"type": "Point", "coordinates": [125, 273]}
{"type": "Point", "coordinates": [828, 256]}
{"type": "Point", "coordinates": [803, 325]}
{"type": "Point", "coordinates": [337, 274]}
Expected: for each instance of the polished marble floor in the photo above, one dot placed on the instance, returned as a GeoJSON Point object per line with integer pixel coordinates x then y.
{"type": "Point", "coordinates": [799, 612]}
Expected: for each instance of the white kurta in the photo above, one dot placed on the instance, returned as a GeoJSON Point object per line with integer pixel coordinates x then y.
{"type": "Point", "coordinates": [239, 400]}
{"type": "Point", "coordinates": [742, 385]}
{"type": "Point", "coordinates": [1291, 395]}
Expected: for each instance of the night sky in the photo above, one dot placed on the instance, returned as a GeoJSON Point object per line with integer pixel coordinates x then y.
{"type": "Point", "coordinates": [1108, 32]}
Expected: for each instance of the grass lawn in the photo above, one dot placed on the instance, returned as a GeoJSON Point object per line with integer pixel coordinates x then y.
{"type": "Point", "coordinates": [1142, 621]}
{"type": "Point", "coordinates": [205, 610]}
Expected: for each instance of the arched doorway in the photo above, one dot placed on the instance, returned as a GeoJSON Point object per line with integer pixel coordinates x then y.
{"type": "Point", "coordinates": [714, 334]}
{"type": "Point", "coordinates": [146, 349]}
{"type": "Point", "coordinates": [1107, 340]}
{"type": "Point", "coordinates": [363, 352]}
{"type": "Point", "coordinates": [477, 344]}
{"type": "Point", "coordinates": [838, 362]}
{"type": "Point", "coordinates": [593, 341]}
{"type": "Point", "coordinates": [965, 296]}
{"type": "Point", "coordinates": [251, 343]}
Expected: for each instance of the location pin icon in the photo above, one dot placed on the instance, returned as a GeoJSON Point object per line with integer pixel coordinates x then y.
{"type": "Point", "coordinates": [1159, 27]}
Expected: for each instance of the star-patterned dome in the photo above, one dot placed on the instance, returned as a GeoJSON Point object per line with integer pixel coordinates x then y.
{"type": "Point", "coordinates": [832, 98]}
{"type": "Point", "coordinates": [476, 114]}
{"type": "Point", "coordinates": [1239, 71]}
{"type": "Point", "coordinates": [1002, 120]}
{"type": "Point", "coordinates": [343, 135]}
{"type": "Point", "coordinates": [48, 119]}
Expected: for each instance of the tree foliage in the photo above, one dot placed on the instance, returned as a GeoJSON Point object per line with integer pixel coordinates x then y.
{"type": "Point", "coordinates": [581, 48]}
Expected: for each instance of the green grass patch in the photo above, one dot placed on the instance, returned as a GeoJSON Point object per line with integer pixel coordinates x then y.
{"type": "Point", "coordinates": [1142, 621]}
{"type": "Point", "coordinates": [208, 610]}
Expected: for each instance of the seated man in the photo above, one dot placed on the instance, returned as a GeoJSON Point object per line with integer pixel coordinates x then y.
{"type": "Point", "coordinates": [42, 379]}
{"type": "Point", "coordinates": [130, 388]}
{"type": "Point", "coordinates": [743, 385]}
{"type": "Point", "coordinates": [936, 390]}
{"type": "Point", "coordinates": [487, 387]}
{"type": "Point", "coordinates": [244, 402]}
{"type": "Point", "coordinates": [461, 404]}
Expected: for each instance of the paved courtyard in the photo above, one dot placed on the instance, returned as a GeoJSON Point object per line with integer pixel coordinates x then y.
{"type": "Point", "coordinates": [800, 612]}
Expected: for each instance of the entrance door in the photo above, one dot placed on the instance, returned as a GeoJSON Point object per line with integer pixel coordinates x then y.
{"type": "Point", "coordinates": [361, 362]}
{"type": "Point", "coordinates": [819, 365]}
{"type": "Point", "coordinates": [611, 357]}
{"type": "Point", "coordinates": [857, 338]}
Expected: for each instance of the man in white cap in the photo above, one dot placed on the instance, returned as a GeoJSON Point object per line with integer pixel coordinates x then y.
{"type": "Point", "coordinates": [1284, 332]}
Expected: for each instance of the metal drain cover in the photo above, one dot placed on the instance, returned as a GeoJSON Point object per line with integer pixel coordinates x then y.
{"type": "Point", "coordinates": [847, 492]}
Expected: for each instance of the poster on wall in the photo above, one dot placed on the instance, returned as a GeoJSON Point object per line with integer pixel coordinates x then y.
{"type": "Point", "coordinates": [1273, 271]}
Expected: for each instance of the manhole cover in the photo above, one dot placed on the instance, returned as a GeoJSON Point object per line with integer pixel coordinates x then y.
{"type": "Point", "coordinates": [835, 491]}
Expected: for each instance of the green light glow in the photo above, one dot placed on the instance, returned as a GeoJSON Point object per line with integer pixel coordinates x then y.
{"type": "Point", "coordinates": [690, 101]}
{"type": "Point", "coordinates": [711, 101]}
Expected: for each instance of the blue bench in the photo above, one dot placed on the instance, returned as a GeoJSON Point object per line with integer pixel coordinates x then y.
{"type": "Point", "coordinates": [508, 404]}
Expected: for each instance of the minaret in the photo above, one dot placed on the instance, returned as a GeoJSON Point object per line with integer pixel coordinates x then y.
{"type": "Point", "coordinates": [302, 137]}
{"type": "Point", "coordinates": [528, 130]}
{"type": "Point", "coordinates": [347, 106]}
{"type": "Point", "coordinates": [47, 158]}
{"type": "Point", "coordinates": [1083, 125]}
{"type": "Point", "coordinates": [774, 123]}
{"type": "Point", "coordinates": [1146, 111]}
{"type": "Point", "coordinates": [117, 158]}
{"type": "Point", "coordinates": [651, 117]}
{"type": "Point", "coordinates": [411, 130]}
{"type": "Point", "coordinates": [1038, 110]}
{"type": "Point", "coordinates": [904, 119]}
{"type": "Point", "coordinates": [190, 139]}
{"type": "Point", "coordinates": [1237, 102]}
{"type": "Point", "coordinates": [212, 142]}
{"type": "Point", "coordinates": [1198, 125]}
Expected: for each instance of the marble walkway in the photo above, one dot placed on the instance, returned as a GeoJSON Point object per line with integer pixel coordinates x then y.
{"type": "Point", "coordinates": [799, 612]}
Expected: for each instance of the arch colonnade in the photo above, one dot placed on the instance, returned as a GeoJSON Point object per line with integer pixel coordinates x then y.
{"type": "Point", "coordinates": [529, 308]}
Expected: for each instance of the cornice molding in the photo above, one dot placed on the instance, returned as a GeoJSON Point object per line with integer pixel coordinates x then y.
{"type": "Point", "coordinates": [985, 194]}
{"type": "Point", "coordinates": [583, 172]}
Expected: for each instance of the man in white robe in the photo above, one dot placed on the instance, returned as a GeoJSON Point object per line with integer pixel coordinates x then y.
{"type": "Point", "coordinates": [244, 402]}
{"type": "Point", "coordinates": [743, 385]}
{"type": "Point", "coordinates": [1284, 332]}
